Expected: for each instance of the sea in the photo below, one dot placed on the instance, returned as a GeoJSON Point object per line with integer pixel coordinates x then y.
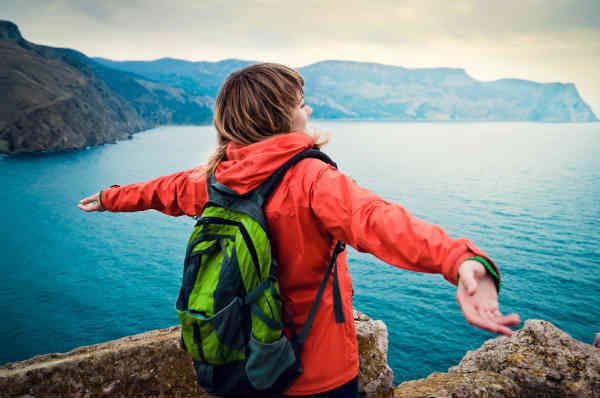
{"type": "Point", "coordinates": [528, 194]}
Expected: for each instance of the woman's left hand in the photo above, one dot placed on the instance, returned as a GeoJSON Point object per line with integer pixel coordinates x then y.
{"type": "Point", "coordinates": [91, 203]}
{"type": "Point", "coordinates": [478, 299]}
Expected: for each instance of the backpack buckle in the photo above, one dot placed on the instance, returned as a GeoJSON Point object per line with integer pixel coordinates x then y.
{"type": "Point", "coordinates": [339, 247]}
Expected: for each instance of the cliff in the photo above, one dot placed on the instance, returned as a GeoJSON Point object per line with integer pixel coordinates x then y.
{"type": "Point", "coordinates": [538, 361]}
{"type": "Point", "coordinates": [56, 99]}
{"type": "Point", "coordinates": [357, 90]}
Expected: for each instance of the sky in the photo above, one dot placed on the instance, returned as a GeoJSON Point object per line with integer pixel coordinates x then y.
{"type": "Point", "coordinates": [540, 40]}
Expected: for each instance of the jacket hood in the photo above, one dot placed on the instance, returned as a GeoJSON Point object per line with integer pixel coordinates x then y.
{"type": "Point", "coordinates": [247, 166]}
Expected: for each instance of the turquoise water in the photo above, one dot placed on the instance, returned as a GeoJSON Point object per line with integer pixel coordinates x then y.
{"type": "Point", "coordinates": [527, 194]}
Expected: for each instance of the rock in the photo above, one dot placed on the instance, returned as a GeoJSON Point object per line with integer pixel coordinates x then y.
{"type": "Point", "coordinates": [375, 377]}
{"type": "Point", "coordinates": [460, 385]}
{"type": "Point", "coordinates": [543, 360]}
{"type": "Point", "coordinates": [359, 316]}
{"type": "Point", "coordinates": [149, 364]}
{"type": "Point", "coordinates": [9, 30]}
{"type": "Point", "coordinates": [152, 364]}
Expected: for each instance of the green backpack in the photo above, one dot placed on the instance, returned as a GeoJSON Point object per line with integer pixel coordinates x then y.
{"type": "Point", "coordinates": [229, 305]}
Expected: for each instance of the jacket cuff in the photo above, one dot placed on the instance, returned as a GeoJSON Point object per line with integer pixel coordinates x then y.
{"type": "Point", "coordinates": [106, 200]}
{"type": "Point", "coordinates": [100, 200]}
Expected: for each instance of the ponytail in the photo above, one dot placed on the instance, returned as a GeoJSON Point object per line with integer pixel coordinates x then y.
{"type": "Point", "coordinates": [213, 161]}
{"type": "Point", "coordinates": [317, 141]}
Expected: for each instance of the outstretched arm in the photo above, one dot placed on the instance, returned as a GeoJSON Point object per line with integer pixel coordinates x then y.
{"type": "Point", "coordinates": [176, 194]}
{"type": "Point", "coordinates": [477, 297]}
{"type": "Point", "coordinates": [368, 223]}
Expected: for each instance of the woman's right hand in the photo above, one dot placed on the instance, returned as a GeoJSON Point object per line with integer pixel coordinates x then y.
{"type": "Point", "coordinates": [91, 203]}
{"type": "Point", "coordinates": [477, 297]}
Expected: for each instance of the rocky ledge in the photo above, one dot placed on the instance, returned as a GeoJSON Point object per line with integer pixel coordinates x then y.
{"type": "Point", "coordinates": [538, 361]}
{"type": "Point", "coordinates": [152, 364]}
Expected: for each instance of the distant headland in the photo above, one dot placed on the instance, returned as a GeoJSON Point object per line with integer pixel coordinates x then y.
{"type": "Point", "coordinates": [58, 98]}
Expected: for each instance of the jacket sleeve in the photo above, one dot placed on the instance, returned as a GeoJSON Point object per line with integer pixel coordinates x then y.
{"type": "Point", "coordinates": [177, 194]}
{"type": "Point", "coordinates": [370, 224]}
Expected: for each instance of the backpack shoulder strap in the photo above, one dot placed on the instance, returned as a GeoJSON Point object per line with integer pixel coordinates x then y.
{"type": "Point", "coordinates": [265, 190]}
{"type": "Point", "coordinates": [262, 194]}
{"type": "Point", "coordinates": [252, 202]}
{"type": "Point", "coordinates": [223, 196]}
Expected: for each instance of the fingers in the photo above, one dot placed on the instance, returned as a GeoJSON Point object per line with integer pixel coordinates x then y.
{"type": "Point", "coordinates": [498, 329]}
{"type": "Point", "coordinates": [491, 322]}
{"type": "Point", "coordinates": [509, 320]}
{"type": "Point", "coordinates": [94, 206]}
{"type": "Point", "coordinates": [491, 326]}
{"type": "Point", "coordinates": [488, 321]}
{"type": "Point", "coordinates": [94, 198]}
{"type": "Point", "coordinates": [485, 314]}
{"type": "Point", "coordinates": [91, 203]}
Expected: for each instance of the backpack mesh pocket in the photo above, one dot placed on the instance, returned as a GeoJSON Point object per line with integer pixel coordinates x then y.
{"type": "Point", "coordinates": [266, 362]}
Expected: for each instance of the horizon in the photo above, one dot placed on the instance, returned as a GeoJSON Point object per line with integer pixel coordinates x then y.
{"type": "Point", "coordinates": [544, 43]}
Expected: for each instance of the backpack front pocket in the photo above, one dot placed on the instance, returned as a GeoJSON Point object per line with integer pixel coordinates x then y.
{"type": "Point", "coordinates": [217, 339]}
{"type": "Point", "coordinates": [228, 324]}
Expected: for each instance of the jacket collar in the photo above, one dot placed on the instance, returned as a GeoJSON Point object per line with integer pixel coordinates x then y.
{"type": "Point", "coordinates": [247, 166]}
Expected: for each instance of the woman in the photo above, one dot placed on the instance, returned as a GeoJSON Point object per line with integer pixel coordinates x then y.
{"type": "Point", "coordinates": [260, 117]}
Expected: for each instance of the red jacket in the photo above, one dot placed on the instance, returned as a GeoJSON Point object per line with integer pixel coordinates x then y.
{"type": "Point", "coordinates": [314, 206]}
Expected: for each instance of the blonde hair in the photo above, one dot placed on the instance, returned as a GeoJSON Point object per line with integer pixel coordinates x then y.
{"type": "Point", "coordinates": [256, 103]}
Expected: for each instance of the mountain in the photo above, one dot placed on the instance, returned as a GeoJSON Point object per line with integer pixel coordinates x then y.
{"type": "Point", "coordinates": [340, 89]}
{"type": "Point", "coordinates": [199, 78]}
{"type": "Point", "coordinates": [360, 90]}
{"type": "Point", "coordinates": [52, 100]}
{"type": "Point", "coordinates": [58, 98]}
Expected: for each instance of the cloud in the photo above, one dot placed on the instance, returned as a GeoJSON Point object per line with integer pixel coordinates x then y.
{"type": "Point", "coordinates": [533, 39]}
{"type": "Point", "coordinates": [280, 24]}
{"type": "Point", "coordinates": [102, 11]}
